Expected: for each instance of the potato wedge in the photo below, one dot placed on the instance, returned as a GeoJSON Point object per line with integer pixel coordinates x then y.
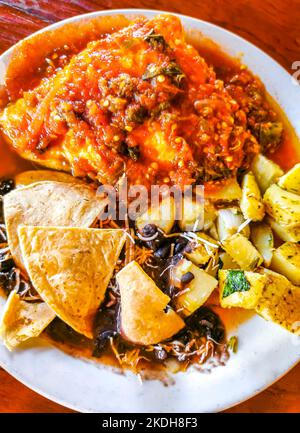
{"type": "Point", "coordinates": [193, 294]}
{"type": "Point", "coordinates": [263, 240]}
{"type": "Point", "coordinates": [162, 216]}
{"type": "Point", "coordinates": [280, 302]}
{"type": "Point", "coordinates": [200, 250]}
{"type": "Point", "coordinates": [240, 289]}
{"type": "Point", "coordinates": [286, 261]}
{"type": "Point", "coordinates": [242, 252]}
{"type": "Point", "coordinates": [286, 233]}
{"type": "Point", "coordinates": [266, 172]}
{"type": "Point", "coordinates": [290, 181]}
{"type": "Point", "coordinates": [283, 206]}
{"type": "Point", "coordinates": [252, 205]}
{"type": "Point", "coordinates": [229, 222]}
{"type": "Point", "coordinates": [229, 191]}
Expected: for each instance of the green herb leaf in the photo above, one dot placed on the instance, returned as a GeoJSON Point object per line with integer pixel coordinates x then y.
{"type": "Point", "coordinates": [235, 282]}
{"type": "Point", "coordinates": [156, 41]}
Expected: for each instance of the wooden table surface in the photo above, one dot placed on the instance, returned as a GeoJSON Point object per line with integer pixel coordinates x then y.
{"type": "Point", "coordinates": [272, 25]}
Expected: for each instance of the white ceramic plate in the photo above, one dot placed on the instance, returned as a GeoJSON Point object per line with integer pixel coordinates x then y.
{"type": "Point", "coordinates": [266, 352]}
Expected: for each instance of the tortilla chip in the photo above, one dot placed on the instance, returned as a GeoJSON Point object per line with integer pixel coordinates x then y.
{"type": "Point", "coordinates": [32, 176]}
{"type": "Point", "coordinates": [70, 268]}
{"type": "Point", "coordinates": [22, 320]}
{"type": "Point", "coordinates": [49, 203]}
{"type": "Point", "coordinates": [144, 318]}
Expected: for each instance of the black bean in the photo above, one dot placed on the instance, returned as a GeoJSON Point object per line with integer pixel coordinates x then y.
{"type": "Point", "coordinates": [187, 278]}
{"type": "Point", "coordinates": [149, 230]}
{"type": "Point", "coordinates": [180, 245]}
{"type": "Point", "coordinates": [6, 186]}
{"type": "Point", "coordinates": [163, 252]}
{"type": "Point", "coordinates": [6, 265]}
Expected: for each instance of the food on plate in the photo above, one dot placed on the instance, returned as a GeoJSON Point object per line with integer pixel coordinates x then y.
{"type": "Point", "coordinates": [265, 171]}
{"type": "Point", "coordinates": [242, 251]}
{"type": "Point", "coordinates": [161, 215]}
{"type": "Point", "coordinates": [22, 320]}
{"type": "Point", "coordinates": [290, 181]}
{"type": "Point", "coordinates": [240, 288]}
{"type": "Point", "coordinates": [283, 206]}
{"type": "Point", "coordinates": [263, 240]}
{"type": "Point", "coordinates": [49, 203]}
{"type": "Point", "coordinates": [141, 105]}
{"type": "Point", "coordinates": [145, 315]}
{"type": "Point", "coordinates": [194, 286]}
{"type": "Point", "coordinates": [286, 261]}
{"type": "Point", "coordinates": [251, 202]}
{"type": "Point", "coordinates": [280, 302]}
{"type": "Point", "coordinates": [230, 221]}
{"type": "Point", "coordinates": [70, 268]}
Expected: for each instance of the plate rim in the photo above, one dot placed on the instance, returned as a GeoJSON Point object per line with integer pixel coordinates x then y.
{"type": "Point", "coordinates": [134, 11]}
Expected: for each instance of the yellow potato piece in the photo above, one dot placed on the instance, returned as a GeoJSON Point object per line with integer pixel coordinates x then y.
{"type": "Point", "coordinates": [49, 204]}
{"type": "Point", "coordinates": [280, 302]}
{"type": "Point", "coordinates": [22, 320]}
{"type": "Point", "coordinates": [251, 203]}
{"type": "Point", "coordinates": [70, 268]}
{"type": "Point", "coordinates": [242, 252]}
{"type": "Point", "coordinates": [291, 180]}
{"type": "Point", "coordinates": [144, 318]}
{"type": "Point", "coordinates": [286, 261]}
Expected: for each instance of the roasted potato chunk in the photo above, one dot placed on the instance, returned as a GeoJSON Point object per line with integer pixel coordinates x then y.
{"type": "Point", "coordinates": [290, 181]}
{"type": "Point", "coordinates": [192, 218]}
{"type": "Point", "coordinates": [163, 216]}
{"type": "Point", "coordinates": [229, 222]}
{"type": "Point", "coordinates": [286, 261]}
{"type": "Point", "coordinates": [263, 240]}
{"type": "Point", "coordinates": [242, 252]}
{"type": "Point", "coordinates": [240, 289]}
{"type": "Point", "coordinates": [201, 249]}
{"type": "Point", "coordinates": [283, 206]}
{"type": "Point", "coordinates": [280, 302]}
{"type": "Point", "coordinates": [192, 294]}
{"type": "Point", "coordinates": [251, 203]}
{"type": "Point", "coordinates": [266, 172]}
{"type": "Point", "coordinates": [286, 233]}
{"type": "Point", "coordinates": [228, 192]}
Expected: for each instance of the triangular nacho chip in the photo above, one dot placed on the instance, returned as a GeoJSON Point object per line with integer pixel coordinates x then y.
{"type": "Point", "coordinates": [49, 203]}
{"type": "Point", "coordinates": [145, 317]}
{"type": "Point", "coordinates": [70, 268]}
{"type": "Point", "coordinates": [22, 320]}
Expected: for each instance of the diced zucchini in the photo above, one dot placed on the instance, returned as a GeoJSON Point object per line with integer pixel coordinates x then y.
{"type": "Point", "coordinates": [192, 295]}
{"type": "Point", "coordinates": [240, 289]}
{"type": "Point", "coordinates": [251, 203]}
{"type": "Point", "coordinates": [263, 240]}
{"type": "Point", "coordinates": [280, 302]}
{"type": "Point", "coordinates": [283, 206]}
{"type": "Point", "coordinates": [286, 261]}
{"type": "Point", "coordinates": [290, 181]}
{"type": "Point", "coordinates": [202, 249]}
{"type": "Point", "coordinates": [229, 222]}
{"type": "Point", "coordinates": [192, 217]}
{"type": "Point", "coordinates": [229, 191]}
{"type": "Point", "coordinates": [162, 216]}
{"type": "Point", "coordinates": [286, 233]}
{"type": "Point", "coordinates": [242, 252]}
{"type": "Point", "coordinates": [226, 262]}
{"type": "Point", "coordinates": [265, 171]}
